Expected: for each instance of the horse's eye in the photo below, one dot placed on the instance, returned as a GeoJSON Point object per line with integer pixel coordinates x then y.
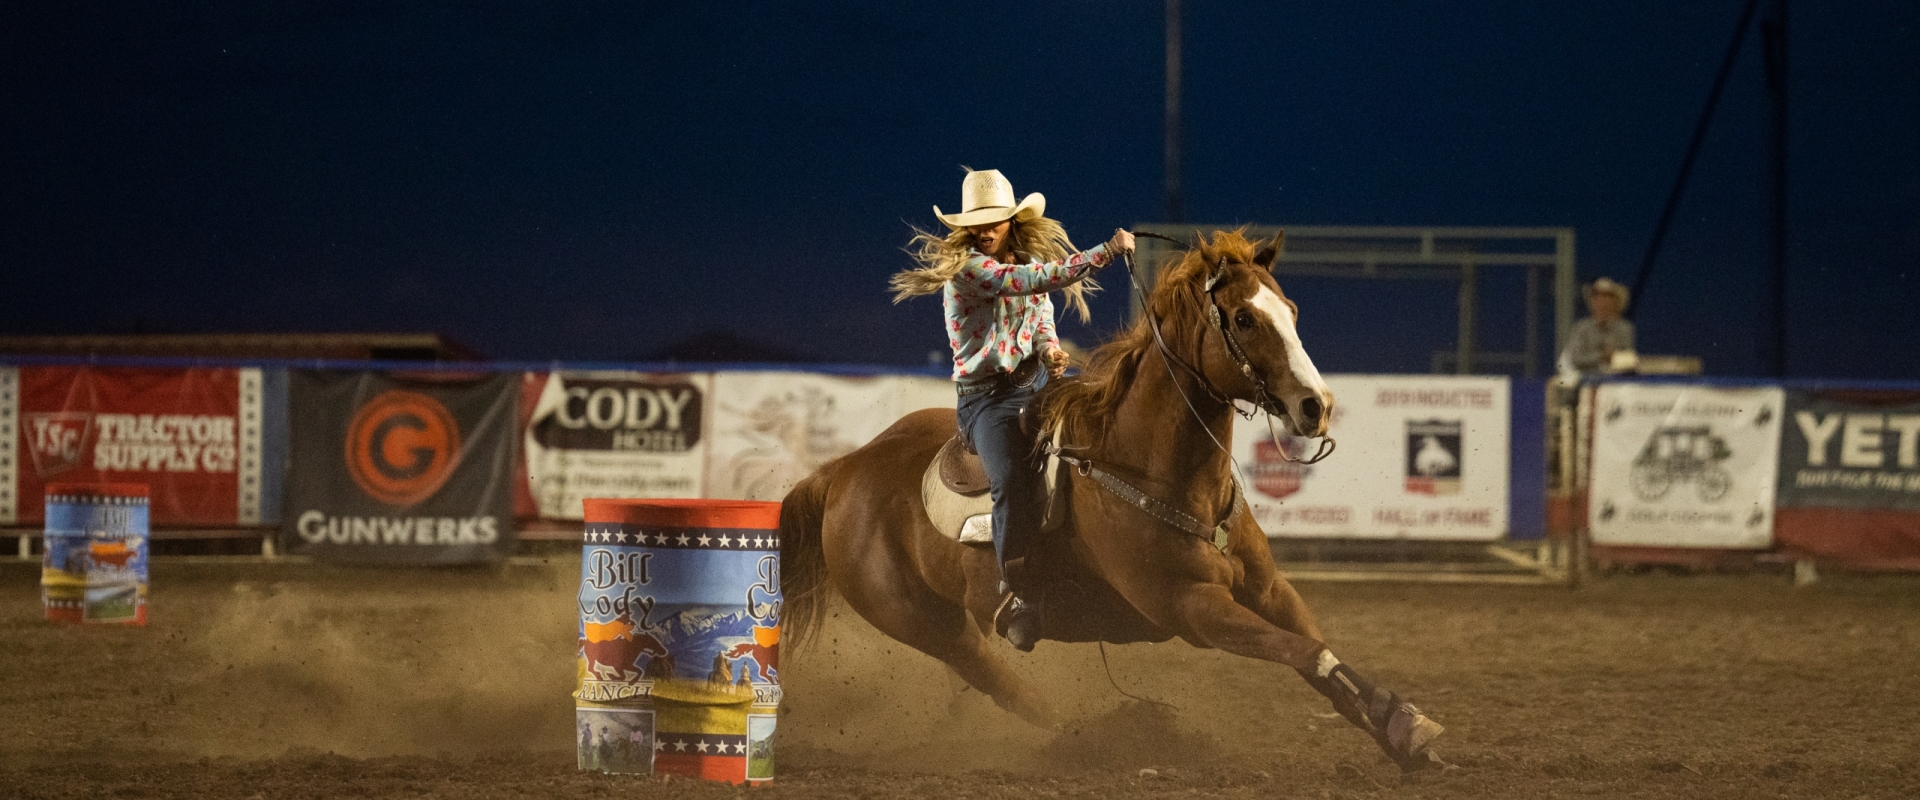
{"type": "Point", "coordinates": [1243, 319]}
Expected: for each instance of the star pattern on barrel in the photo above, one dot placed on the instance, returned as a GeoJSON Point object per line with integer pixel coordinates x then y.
{"type": "Point", "coordinates": [710, 744]}
{"type": "Point", "coordinates": [618, 535]}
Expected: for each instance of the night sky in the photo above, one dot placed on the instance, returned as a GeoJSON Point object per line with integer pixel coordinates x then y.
{"type": "Point", "coordinates": [598, 181]}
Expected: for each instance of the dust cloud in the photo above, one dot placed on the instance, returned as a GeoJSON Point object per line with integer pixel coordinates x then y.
{"type": "Point", "coordinates": [456, 663]}
{"type": "Point", "coordinates": [447, 663]}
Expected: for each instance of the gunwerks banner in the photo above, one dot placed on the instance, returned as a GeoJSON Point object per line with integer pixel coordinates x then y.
{"type": "Point", "coordinates": [1684, 466]}
{"type": "Point", "coordinates": [617, 435]}
{"type": "Point", "coordinates": [773, 428]}
{"type": "Point", "coordinates": [1850, 477]}
{"type": "Point", "coordinates": [1419, 457]}
{"type": "Point", "coordinates": [203, 440]}
{"type": "Point", "coordinates": [393, 470]}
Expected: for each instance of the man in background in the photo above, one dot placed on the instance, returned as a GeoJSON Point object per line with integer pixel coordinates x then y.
{"type": "Point", "coordinates": [1603, 342]}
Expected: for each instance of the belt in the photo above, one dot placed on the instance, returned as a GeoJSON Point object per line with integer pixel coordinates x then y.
{"type": "Point", "coordinates": [1021, 377]}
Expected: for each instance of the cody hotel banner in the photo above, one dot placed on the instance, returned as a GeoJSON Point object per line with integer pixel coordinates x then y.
{"type": "Point", "coordinates": [619, 435]}
{"type": "Point", "coordinates": [401, 471]}
{"type": "Point", "coordinates": [207, 442]}
{"type": "Point", "coordinates": [1420, 457]}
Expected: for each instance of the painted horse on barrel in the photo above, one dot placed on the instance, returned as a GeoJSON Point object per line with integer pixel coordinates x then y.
{"type": "Point", "coordinates": [1147, 538]}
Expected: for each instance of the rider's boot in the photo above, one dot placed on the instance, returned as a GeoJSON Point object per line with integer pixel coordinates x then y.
{"type": "Point", "coordinates": [1018, 618]}
{"type": "Point", "coordinates": [1395, 724]}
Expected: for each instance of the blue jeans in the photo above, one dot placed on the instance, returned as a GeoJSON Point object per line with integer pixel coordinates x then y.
{"type": "Point", "coordinates": [991, 420]}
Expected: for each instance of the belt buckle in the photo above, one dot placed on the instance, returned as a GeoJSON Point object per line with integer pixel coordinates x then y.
{"type": "Point", "coordinates": [1024, 373]}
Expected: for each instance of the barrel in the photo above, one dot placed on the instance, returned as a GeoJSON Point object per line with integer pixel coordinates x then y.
{"type": "Point", "coordinates": [94, 568]}
{"type": "Point", "coordinates": [678, 671]}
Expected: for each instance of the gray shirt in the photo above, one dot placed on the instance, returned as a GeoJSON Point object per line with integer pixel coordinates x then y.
{"type": "Point", "coordinates": [1585, 343]}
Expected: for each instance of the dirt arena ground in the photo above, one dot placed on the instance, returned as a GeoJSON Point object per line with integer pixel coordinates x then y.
{"type": "Point", "coordinates": [296, 681]}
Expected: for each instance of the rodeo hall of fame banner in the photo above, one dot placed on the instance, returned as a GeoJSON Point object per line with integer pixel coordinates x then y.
{"type": "Point", "coordinates": [616, 435]}
{"type": "Point", "coordinates": [1419, 457]}
{"type": "Point", "coordinates": [401, 471]}
{"type": "Point", "coordinates": [1684, 466]}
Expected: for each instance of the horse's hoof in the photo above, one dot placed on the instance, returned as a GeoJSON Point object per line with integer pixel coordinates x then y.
{"type": "Point", "coordinates": [1408, 735]}
{"type": "Point", "coordinates": [1409, 731]}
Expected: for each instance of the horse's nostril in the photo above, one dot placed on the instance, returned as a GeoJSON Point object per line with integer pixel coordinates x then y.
{"type": "Point", "coordinates": [1310, 409]}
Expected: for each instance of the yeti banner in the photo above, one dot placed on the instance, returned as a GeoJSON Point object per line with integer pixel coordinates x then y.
{"type": "Point", "coordinates": [401, 471]}
{"type": "Point", "coordinates": [1684, 466]}
{"type": "Point", "coordinates": [1851, 450]}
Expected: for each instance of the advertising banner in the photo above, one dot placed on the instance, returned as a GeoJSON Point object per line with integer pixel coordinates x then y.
{"type": "Point", "coordinates": [773, 428]}
{"type": "Point", "coordinates": [401, 470]}
{"type": "Point", "coordinates": [1851, 450]}
{"type": "Point", "coordinates": [618, 435]}
{"type": "Point", "coordinates": [203, 440]}
{"type": "Point", "coordinates": [1684, 466]}
{"type": "Point", "coordinates": [1420, 457]}
{"type": "Point", "coordinates": [1850, 478]}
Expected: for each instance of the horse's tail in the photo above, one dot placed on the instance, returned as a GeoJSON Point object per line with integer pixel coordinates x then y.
{"type": "Point", "coordinates": [803, 558]}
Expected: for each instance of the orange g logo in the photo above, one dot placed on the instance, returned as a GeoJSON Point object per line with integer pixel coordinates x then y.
{"type": "Point", "coordinates": [401, 446]}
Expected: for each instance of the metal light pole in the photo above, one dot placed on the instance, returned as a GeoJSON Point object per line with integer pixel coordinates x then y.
{"type": "Point", "coordinates": [1773, 32]}
{"type": "Point", "coordinates": [1175, 203]}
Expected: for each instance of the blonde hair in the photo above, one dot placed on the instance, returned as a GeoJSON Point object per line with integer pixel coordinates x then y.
{"type": "Point", "coordinates": [941, 257]}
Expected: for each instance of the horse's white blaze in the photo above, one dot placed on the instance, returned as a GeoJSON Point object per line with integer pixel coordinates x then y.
{"type": "Point", "coordinates": [1281, 317]}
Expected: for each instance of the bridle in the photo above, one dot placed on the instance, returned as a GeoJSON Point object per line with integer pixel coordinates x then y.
{"type": "Point", "coordinates": [1263, 398]}
{"type": "Point", "coordinates": [1219, 535]}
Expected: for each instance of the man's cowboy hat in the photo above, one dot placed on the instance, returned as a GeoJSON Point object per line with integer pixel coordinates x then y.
{"type": "Point", "coordinates": [986, 198]}
{"type": "Point", "coordinates": [1607, 286]}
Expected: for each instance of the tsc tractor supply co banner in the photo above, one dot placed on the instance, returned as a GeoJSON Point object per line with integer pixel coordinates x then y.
{"type": "Point", "coordinates": [204, 441]}
{"type": "Point", "coordinates": [1419, 457]}
{"type": "Point", "coordinates": [1684, 466]}
{"type": "Point", "coordinates": [401, 471]}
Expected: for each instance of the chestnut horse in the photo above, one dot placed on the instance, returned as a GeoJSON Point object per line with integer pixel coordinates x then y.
{"type": "Point", "coordinates": [1150, 414]}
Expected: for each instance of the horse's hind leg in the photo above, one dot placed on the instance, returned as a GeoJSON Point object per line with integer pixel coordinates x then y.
{"type": "Point", "coordinates": [912, 613]}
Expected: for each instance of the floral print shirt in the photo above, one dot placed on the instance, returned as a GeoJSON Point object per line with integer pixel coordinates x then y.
{"type": "Point", "coordinates": [998, 314]}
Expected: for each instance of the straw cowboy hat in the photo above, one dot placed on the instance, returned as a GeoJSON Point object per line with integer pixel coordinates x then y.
{"type": "Point", "coordinates": [986, 198]}
{"type": "Point", "coordinates": [1608, 286]}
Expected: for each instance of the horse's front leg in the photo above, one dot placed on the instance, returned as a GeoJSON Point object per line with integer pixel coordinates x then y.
{"type": "Point", "coordinates": [1395, 724]}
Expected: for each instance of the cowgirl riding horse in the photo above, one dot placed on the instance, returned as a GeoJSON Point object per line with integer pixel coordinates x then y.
{"type": "Point", "coordinates": [994, 271]}
{"type": "Point", "coordinates": [1155, 542]}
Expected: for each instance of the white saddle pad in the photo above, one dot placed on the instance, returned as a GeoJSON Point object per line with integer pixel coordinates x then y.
{"type": "Point", "coordinates": [967, 520]}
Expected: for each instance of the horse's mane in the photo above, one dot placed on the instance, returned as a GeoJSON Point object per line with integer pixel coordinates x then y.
{"type": "Point", "coordinates": [1089, 400]}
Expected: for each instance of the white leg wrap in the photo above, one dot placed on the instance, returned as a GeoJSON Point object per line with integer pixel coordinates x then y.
{"type": "Point", "coordinates": [1327, 663]}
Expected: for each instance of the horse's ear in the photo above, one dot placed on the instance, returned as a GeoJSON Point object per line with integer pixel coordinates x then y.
{"type": "Point", "coordinates": [1270, 252]}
